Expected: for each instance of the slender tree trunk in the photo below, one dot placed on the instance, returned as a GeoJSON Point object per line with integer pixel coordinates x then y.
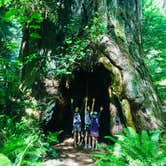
{"type": "Point", "coordinates": [24, 51]}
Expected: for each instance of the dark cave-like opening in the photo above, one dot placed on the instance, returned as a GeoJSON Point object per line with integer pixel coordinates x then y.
{"type": "Point", "coordinates": [93, 84]}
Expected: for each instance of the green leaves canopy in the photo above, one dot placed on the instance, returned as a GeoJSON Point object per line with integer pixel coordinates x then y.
{"type": "Point", "coordinates": [154, 37]}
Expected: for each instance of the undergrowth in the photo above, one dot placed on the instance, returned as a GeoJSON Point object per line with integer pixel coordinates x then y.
{"type": "Point", "coordinates": [25, 144]}
{"type": "Point", "coordinates": [133, 149]}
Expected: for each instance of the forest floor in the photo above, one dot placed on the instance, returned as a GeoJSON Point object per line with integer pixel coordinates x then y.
{"type": "Point", "coordinates": [70, 156]}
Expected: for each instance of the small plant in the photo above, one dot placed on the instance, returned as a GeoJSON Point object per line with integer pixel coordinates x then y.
{"type": "Point", "coordinates": [133, 149]}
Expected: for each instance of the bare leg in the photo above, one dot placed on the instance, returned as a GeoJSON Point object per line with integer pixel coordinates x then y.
{"type": "Point", "coordinates": [75, 138]}
{"type": "Point", "coordinates": [93, 143]}
{"type": "Point", "coordinates": [86, 138]}
{"type": "Point", "coordinates": [96, 142]}
{"type": "Point", "coordinates": [78, 137]}
{"type": "Point", "coordinates": [89, 140]}
{"type": "Point", "coordinates": [81, 138]}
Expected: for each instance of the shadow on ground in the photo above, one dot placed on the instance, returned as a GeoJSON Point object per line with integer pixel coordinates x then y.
{"type": "Point", "coordinates": [70, 156]}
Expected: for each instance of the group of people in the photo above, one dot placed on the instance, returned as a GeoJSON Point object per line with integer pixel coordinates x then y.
{"type": "Point", "coordinates": [87, 135]}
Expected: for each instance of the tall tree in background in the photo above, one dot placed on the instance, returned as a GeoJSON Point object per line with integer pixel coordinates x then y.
{"type": "Point", "coordinates": [76, 31]}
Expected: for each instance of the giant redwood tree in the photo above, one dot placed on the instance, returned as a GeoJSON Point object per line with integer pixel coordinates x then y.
{"type": "Point", "coordinates": [106, 48]}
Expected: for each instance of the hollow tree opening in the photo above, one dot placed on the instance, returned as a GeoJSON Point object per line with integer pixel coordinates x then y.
{"type": "Point", "coordinates": [121, 54]}
{"type": "Point", "coordinates": [93, 84]}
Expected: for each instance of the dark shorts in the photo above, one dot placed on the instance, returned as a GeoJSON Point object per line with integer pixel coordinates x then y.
{"type": "Point", "coordinates": [87, 128]}
{"type": "Point", "coordinates": [77, 127]}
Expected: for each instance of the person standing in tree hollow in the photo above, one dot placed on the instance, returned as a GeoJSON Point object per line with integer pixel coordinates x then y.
{"type": "Point", "coordinates": [88, 121]}
{"type": "Point", "coordinates": [95, 128]}
{"type": "Point", "coordinates": [76, 125]}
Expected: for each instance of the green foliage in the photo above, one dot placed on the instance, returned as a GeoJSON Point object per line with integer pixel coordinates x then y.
{"type": "Point", "coordinates": [21, 141]}
{"type": "Point", "coordinates": [25, 144]}
{"type": "Point", "coordinates": [13, 17]}
{"type": "Point", "coordinates": [11, 101]}
{"type": "Point", "coordinates": [24, 17]}
{"type": "Point", "coordinates": [30, 58]}
{"type": "Point", "coordinates": [78, 47]}
{"type": "Point", "coordinates": [53, 137]}
{"type": "Point", "coordinates": [130, 148]}
{"type": "Point", "coordinates": [154, 36]}
{"type": "Point", "coordinates": [98, 28]}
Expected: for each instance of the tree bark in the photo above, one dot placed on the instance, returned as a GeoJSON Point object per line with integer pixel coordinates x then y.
{"type": "Point", "coordinates": [24, 51]}
{"type": "Point", "coordinates": [121, 53]}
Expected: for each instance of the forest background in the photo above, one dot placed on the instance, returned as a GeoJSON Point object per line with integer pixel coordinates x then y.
{"type": "Point", "coordinates": [20, 114]}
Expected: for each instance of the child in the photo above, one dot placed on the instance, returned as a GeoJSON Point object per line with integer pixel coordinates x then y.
{"type": "Point", "coordinates": [95, 128]}
{"type": "Point", "coordinates": [87, 120]}
{"type": "Point", "coordinates": [76, 125]}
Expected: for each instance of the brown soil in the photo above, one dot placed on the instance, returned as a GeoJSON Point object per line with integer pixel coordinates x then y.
{"type": "Point", "coordinates": [70, 156]}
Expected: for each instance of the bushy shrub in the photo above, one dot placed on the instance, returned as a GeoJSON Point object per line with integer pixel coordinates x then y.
{"type": "Point", "coordinates": [25, 144]}
{"type": "Point", "coordinates": [133, 149]}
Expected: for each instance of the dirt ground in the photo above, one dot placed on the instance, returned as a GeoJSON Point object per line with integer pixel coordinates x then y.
{"type": "Point", "coordinates": [70, 156]}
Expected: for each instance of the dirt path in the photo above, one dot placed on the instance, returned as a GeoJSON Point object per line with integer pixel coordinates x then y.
{"type": "Point", "coordinates": [70, 156]}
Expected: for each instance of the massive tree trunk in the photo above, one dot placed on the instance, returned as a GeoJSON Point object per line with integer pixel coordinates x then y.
{"type": "Point", "coordinates": [120, 53]}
